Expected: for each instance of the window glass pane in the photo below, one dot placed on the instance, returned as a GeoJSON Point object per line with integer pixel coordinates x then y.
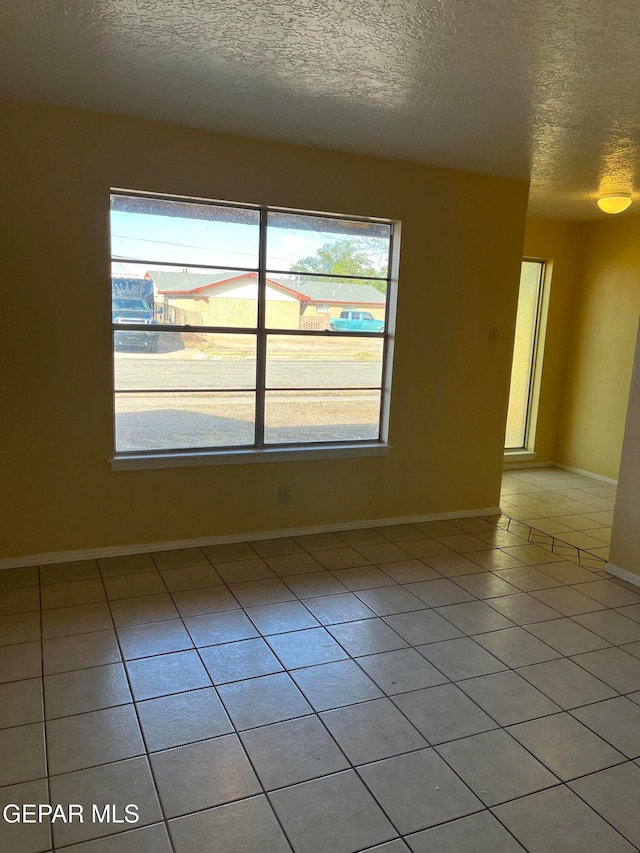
{"type": "Point", "coordinates": [312, 303]}
{"type": "Point", "coordinates": [178, 265]}
{"type": "Point", "coordinates": [523, 351]}
{"type": "Point", "coordinates": [183, 297]}
{"type": "Point", "coordinates": [164, 361]}
{"type": "Point", "coordinates": [302, 361]}
{"type": "Point", "coordinates": [331, 415]}
{"type": "Point", "coordinates": [183, 232]}
{"type": "Point", "coordinates": [340, 247]}
{"type": "Point", "coordinates": [181, 421]}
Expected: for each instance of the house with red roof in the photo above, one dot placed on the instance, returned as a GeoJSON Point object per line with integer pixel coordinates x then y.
{"type": "Point", "coordinates": [229, 298]}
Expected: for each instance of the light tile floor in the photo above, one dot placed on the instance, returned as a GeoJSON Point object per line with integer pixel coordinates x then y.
{"type": "Point", "coordinates": [576, 510]}
{"type": "Point", "coordinates": [469, 685]}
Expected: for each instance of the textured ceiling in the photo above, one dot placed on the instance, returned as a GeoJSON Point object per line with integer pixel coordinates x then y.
{"type": "Point", "coordinates": [546, 89]}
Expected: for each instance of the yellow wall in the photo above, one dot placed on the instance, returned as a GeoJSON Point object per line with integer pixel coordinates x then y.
{"type": "Point", "coordinates": [558, 243]}
{"type": "Point", "coordinates": [604, 321]}
{"type": "Point", "coordinates": [625, 534]}
{"type": "Point", "coordinates": [461, 249]}
{"type": "Point", "coordinates": [593, 290]}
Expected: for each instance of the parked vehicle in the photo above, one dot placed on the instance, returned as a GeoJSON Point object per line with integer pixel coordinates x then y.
{"type": "Point", "coordinates": [133, 310]}
{"type": "Point", "coordinates": [356, 321]}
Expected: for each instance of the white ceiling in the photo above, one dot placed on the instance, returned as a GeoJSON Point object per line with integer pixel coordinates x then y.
{"type": "Point", "coordinates": [547, 89]}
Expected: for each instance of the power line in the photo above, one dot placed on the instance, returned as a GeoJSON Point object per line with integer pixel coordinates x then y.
{"type": "Point", "coordinates": [378, 252]}
{"type": "Point", "coordinates": [184, 245]}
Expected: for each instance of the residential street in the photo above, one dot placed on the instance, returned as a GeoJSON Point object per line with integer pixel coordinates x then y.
{"type": "Point", "coordinates": [141, 371]}
{"type": "Point", "coordinates": [189, 415]}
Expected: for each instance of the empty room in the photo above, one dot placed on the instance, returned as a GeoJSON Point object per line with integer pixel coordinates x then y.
{"type": "Point", "coordinates": [320, 515]}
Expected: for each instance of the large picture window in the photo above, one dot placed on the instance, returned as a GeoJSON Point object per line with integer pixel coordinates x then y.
{"type": "Point", "coordinates": [243, 328]}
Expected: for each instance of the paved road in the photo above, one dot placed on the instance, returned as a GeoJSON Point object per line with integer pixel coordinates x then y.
{"type": "Point", "coordinates": [163, 372]}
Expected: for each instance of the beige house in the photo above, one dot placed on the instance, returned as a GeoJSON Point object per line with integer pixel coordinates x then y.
{"type": "Point", "coordinates": [229, 298]}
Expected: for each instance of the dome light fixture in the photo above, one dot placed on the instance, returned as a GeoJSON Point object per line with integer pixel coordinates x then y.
{"type": "Point", "coordinates": [614, 202]}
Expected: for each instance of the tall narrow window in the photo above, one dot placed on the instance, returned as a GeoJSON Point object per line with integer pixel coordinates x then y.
{"type": "Point", "coordinates": [240, 327]}
{"type": "Point", "coordinates": [524, 354]}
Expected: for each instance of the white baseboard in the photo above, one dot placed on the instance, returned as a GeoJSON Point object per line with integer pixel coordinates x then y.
{"type": "Point", "coordinates": [623, 574]}
{"type": "Point", "coordinates": [586, 473]}
{"type": "Point", "coordinates": [123, 550]}
{"type": "Point", "coordinates": [521, 465]}
{"type": "Point", "coordinates": [516, 466]}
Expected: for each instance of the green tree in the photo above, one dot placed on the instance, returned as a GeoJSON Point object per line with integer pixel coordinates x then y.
{"type": "Point", "coordinates": [344, 258]}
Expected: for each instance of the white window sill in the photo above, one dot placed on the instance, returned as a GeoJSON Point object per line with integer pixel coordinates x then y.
{"type": "Point", "coordinates": [519, 456]}
{"type": "Point", "coordinates": [142, 461]}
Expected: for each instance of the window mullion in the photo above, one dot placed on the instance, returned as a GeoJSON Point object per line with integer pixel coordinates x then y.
{"type": "Point", "coordinates": [261, 343]}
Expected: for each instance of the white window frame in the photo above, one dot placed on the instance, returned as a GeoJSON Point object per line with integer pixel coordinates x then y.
{"type": "Point", "coordinates": [260, 451]}
{"type": "Point", "coordinates": [526, 453]}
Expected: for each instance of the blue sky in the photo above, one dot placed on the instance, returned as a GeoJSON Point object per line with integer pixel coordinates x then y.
{"type": "Point", "coordinates": [188, 241]}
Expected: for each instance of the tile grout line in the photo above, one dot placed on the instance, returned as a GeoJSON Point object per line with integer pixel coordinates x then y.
{"type": "Point", "coordinates": [139, 724]}
{"type": "Point", "coordinates": [235, 733]}
{"type": "Point", "coordinates": [243, 609]}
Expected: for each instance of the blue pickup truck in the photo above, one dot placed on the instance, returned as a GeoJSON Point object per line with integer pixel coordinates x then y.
{"type": "Point", "coordinates": [356, 321]}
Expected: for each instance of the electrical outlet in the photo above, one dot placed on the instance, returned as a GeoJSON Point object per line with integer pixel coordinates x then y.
{"type": "Point", "coordinates": [493, 335]}
{"type": "Point", "coordinates": [284, 494]}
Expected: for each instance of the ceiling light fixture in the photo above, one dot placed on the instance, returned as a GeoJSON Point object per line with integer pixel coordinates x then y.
{"type": "Point", "coordinates": [614, 202]}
